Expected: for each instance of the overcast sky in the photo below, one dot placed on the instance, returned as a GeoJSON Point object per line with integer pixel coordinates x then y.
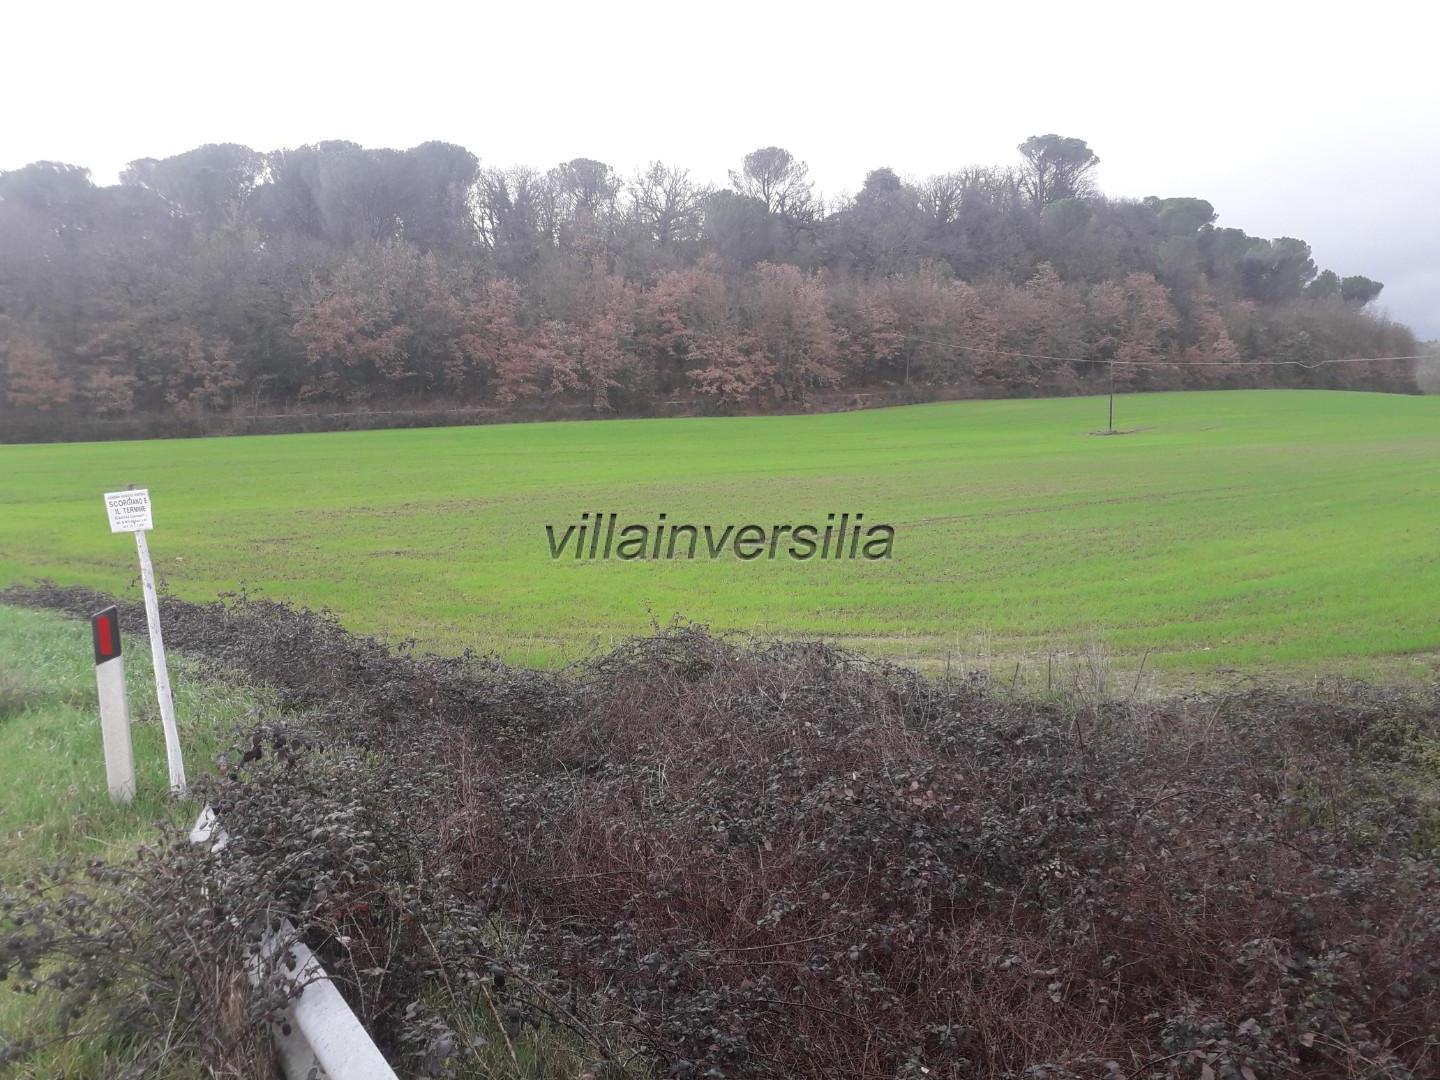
{"type": "Point", "coordinates": [1307, 120]}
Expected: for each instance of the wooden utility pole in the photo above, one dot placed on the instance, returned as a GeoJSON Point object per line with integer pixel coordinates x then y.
{"type": "Point", "coordinates": [1112, 398]}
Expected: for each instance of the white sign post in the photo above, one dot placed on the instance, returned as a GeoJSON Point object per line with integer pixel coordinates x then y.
{"type": "Point", "coordinates": [129, 511]}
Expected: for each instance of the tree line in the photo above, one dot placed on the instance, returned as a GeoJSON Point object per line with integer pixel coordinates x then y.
{"type": "Point", "coordinates": [328, 275]}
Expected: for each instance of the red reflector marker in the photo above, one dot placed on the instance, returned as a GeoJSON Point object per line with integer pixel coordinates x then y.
{"type": "Point", "coordinates": [114, 715]}
{"type": "Point", "coordinates": [105, 628]}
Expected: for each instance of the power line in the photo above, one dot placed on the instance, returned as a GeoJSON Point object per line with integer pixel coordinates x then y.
{"type": "Point", "coordinates": [1166, 363]}
{"type": "Point", "coordinates": [1256, 363]}
{"type": "Point", "coordinates": [1180, 364]}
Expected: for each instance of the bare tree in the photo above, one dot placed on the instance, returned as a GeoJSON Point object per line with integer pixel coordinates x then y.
{"type": "Point", "coordinates": [940, 198]}
{"type": "Point", "coordinates": [584, 195]}
{"type": "Point", "coordinates": [508, 207]}
{"type": "Point", "coordinates": [668, 204]}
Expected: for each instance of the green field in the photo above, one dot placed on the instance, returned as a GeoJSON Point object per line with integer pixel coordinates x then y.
{"type": "Point", "coordinates": [1258, 530]}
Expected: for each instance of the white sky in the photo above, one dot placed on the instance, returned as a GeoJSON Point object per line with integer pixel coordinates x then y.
{"type": "Point", "coordinates": [1302, 119]}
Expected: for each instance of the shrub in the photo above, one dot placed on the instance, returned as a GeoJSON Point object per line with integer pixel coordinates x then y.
{"type": "Point", "coordinates": [742, 857]}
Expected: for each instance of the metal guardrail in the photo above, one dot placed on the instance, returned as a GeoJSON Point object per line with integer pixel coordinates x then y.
{"type": "Point", "coordinates": [326, 1040]}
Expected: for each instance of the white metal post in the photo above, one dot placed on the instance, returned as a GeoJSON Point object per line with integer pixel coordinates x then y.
{"type": "Point", "coordinates": [115, 731]}
{"type": "Point", "coordinates": [162, 673]}
{"type": "Point", "coordinates": [114, 715]}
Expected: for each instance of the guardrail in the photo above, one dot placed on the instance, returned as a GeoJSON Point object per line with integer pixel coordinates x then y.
{"type": "Point", "coordinates": [326, 1040]}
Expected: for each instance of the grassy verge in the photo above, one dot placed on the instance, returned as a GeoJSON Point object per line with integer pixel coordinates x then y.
{"type": "Point", "coordinates": [57, 808]}
{"type": "Point", "coordinates": [750, 858]}
{"type": "Point", "coordinates": [55, 804]}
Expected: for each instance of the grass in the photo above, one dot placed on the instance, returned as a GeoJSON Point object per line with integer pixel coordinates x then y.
{"type": "Point", "coordinates": [56, 807]}
{"type": "Point", "coordinates": [55, 804]}
{"type": "Point", "coordinates": [1283, 531]}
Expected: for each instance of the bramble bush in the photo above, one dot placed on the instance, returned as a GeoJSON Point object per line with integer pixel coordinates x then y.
{"type": "Point", "coordinates": [737, 857]}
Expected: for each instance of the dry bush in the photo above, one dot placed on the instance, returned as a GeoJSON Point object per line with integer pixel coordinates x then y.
{"type": "Point", "coordinates": [748, 858]}
{"type": "Point", "coordinates": [790, 862]}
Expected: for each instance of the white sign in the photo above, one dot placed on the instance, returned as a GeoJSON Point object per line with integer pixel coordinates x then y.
{"type": "Point", "coordinates": [129, 510]}
{"type": "Point", "coordinates": [130, 513]}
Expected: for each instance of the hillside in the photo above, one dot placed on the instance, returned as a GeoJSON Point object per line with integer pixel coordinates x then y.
{"type": "Point", "coordinates": [333, 278]}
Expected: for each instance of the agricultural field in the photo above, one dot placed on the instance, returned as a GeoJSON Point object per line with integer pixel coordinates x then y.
{"type": "Point", "coordinates": [1289, 532]}
{"type": "Point", "coordinates": [707, 840]}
